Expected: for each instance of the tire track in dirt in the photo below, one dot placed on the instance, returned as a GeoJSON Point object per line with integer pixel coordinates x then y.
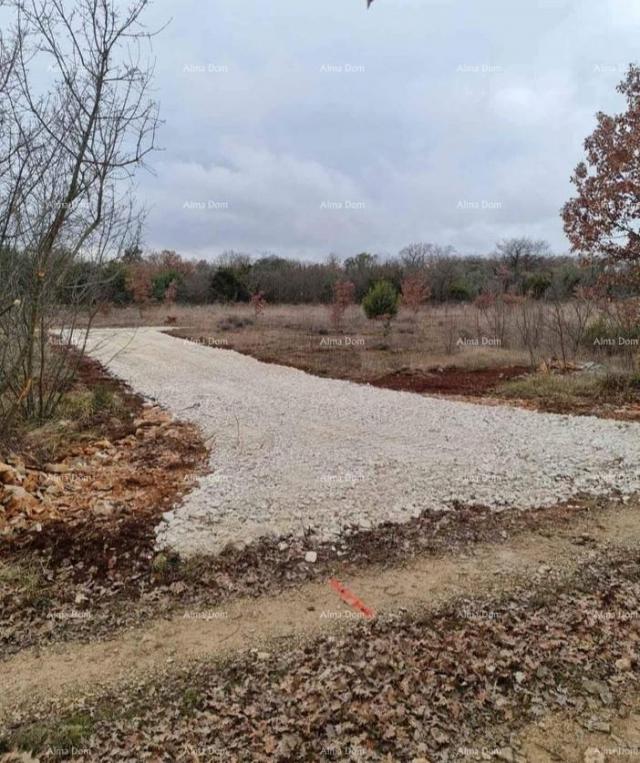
{"type": "Point", "coordinates": [263, 623]}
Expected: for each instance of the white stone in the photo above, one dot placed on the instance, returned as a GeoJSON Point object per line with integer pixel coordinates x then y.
{"type": "Point", "coordinates": [293, 452]}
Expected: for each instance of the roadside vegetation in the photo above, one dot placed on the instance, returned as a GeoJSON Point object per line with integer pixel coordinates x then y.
{"type": "Point", "coordinates": [566, 393]}
{"type": "Point", "coordinates": [65, 183]}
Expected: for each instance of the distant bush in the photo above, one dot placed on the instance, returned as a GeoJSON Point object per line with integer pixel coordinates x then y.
{"type": "Point", "coordinates": [259, 303]}
{"type": "Point", "coordinates": [381, 303]}
{"type": "Point", "coordinates": [162, 282]}
{"type": "Point", "coordinates": [460, 292]}
{"type": "Point", "coordinates": [415, 291]}
{"type": "Point", "coordinates": [114, 283]}
{"type": "Point", "coordinates": [610, 337]}
{"type": "Point", "coordinates": [343, 296]}
{"type": "Point", "coordinates": [537, 284]}
{"type": "Point", "coordinates": [226, 286]}
{"type": "Point", "coordinates": [234, 322]}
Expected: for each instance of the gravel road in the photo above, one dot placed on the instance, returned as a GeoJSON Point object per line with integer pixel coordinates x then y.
{"type": "Point", "coordinates": [290, 451]}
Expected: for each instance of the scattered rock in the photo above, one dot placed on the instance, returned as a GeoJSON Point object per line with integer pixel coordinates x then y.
{"type": "Point", "coordinates": [623, 664]}
{"type": "Point", "coordinates": [597, 724]}
{"type": "Point", "coordinates": [311, 557]}
{"type": "Point", "coordinates": [8, 475]}
{"type": "Point", "coordinates": [18, 499]}
{"type": "Point", "coordinates": [103, 508]}
{"type": "Point", "coordinates": [105, 444]}
{"type": "Point", "coordinates": [101, 485]}
{"type": "Point", "coordinates": [57, 468]}
{"type": "Point", "coordinates": [53, 485]}
{"type": "Point", "coordinates": [439, 736]}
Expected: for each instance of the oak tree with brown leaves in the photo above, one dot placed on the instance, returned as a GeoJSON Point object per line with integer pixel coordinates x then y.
{"type": "Point", "coordinates": [415, 292]}
{"type": "Point", "coordinates": [602, 221]}
{"type": "Point", "coordinates": [259, 303]}
{"type": "Point", "coordinates": [343, 297]}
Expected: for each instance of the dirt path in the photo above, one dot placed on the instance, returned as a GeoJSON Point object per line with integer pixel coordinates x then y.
{"type": "Point", "coordinates": [307, 611]}
{"type": "Point", "coordinates": [560, 737]}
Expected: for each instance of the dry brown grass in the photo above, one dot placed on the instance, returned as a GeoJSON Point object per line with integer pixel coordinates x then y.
{"type": "Point", "coordinates": [415, 353]}
{"type": "Point", "coordinates": [438, 336]}
{"type": "Point", "coordinates": [303, 335]}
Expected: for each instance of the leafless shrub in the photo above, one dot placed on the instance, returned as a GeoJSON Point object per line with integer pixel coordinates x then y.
{"type": "Point", "coordinates": [528, 318]}
{"type": "Point", "coordinates": [582, 308]}
{"type": "Point", "coordinates": [343, 297]}
{"type": "Point", "coordinates": [495, 311]}
{"type": "Point", "coordinates": [259, 303]}
{"type": "Point", "coordinates": [451, 329]}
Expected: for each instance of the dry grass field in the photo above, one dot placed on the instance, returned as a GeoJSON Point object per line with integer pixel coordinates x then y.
{"type": "Point", "coordinates": [451, 349]}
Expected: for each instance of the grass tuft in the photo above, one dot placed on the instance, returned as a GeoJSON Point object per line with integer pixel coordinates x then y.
{"type": "Point", "coordinates": [565, 389]}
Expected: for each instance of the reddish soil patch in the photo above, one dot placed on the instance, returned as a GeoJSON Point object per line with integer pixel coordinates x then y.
{"type": "Point", "coordinates": [451, 380]}
{"type": "Point", "coordinates": [454, 381]}
{"type": "Point", "coordinates": [110, 483]}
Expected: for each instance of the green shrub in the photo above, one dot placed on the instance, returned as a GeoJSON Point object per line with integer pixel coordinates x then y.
{"type": "Point", "coordinates": [554, 388]}
{"type": "Point", "coordinates": [76, 406]}
{"type": "Point", "coordinates": [460, 292]}
{"type": "Point", "coordinates": [102, 399]}
{"type": "Point", "coordinates": [226, 286]}
{"type": "Point", "coordinates": [620, 383]}
{"type": "Point", "coordinates": [608, 336]}
{"type": "Point", "coordinates": [537, 284]}
{"type": "Point", "coordinates": [162, 281]}
{"type": "Point", "coordinates": [381, 301]}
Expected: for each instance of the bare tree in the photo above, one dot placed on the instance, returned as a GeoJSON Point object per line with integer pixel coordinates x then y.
{"type": "Point", "coordinates": [76, 121]}
{"type": "Point", "coordinates": [414, 256]}
{"type": "Point", "coordinates": [583, 307]}
{"type": "Point", "coordinates": [529, 323]}
{"type": "Point", "coordinates": [519, 255]}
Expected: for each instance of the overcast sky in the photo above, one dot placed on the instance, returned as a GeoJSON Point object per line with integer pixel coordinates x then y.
{"type": "Point", "coordinates": [304, 127]}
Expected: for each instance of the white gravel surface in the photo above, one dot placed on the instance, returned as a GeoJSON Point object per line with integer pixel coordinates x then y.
{"type": "Point", "coordinates": [291, 451]}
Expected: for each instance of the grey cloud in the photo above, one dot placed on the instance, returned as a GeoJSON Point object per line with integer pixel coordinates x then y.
{"type": "Point", "coordinates": [318, 127]}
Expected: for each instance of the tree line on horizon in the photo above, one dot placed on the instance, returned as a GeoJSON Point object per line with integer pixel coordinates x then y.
{"type": "Point", "coordinates": [519, 266]}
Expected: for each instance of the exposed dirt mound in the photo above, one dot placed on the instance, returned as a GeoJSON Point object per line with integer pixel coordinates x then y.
{"type": "Point", "coordinates": [111, 479]}
{"type": "Point", "coordinates": [453, 381]}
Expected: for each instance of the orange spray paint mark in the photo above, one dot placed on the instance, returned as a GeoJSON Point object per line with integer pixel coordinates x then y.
{"type": "Point", "coordinates": [351, 599]}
